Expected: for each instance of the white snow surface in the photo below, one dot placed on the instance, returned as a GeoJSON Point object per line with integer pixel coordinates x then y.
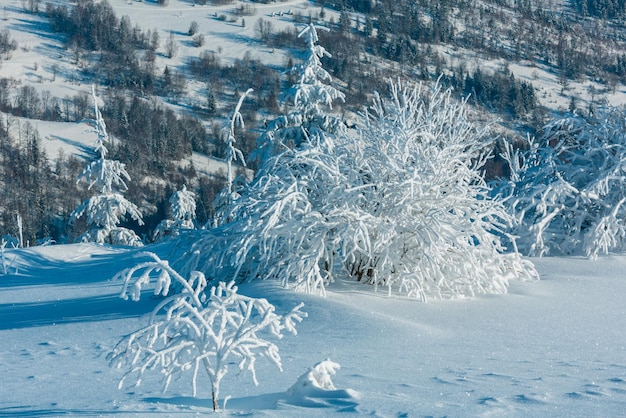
{"type": "Point", "coordinates": [556, 347]}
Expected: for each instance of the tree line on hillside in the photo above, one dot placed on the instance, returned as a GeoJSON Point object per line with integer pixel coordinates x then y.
{"type": "Point", "coordinates": [127, 56]}
{"type": "Point", "coordinates": [44, 192]}
{"type": "Point", "coordinates": [151, 136]}
{"type": "Point", "coordinates": [122, 67]}
{"type": "Point", "coordinates": [607, 9]}
{"type": "Point", "coordinates": [564, 40]}
{"type": "Point", "coordinates": [41, 196]}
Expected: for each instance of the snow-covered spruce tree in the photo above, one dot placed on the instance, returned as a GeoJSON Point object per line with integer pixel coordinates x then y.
{"type": "Point", "coordinates": [402, 204]}
{"type": "Point", "coordinates": [311, 99]}
{"type": "Point", "coordinates": [567, 190]}
{"type": "Point", "coordinates": [190, 333]}
{"type": "Point", "coordinates": [105, 210]}
{"type": "Point", "coordinates": [183, 211]}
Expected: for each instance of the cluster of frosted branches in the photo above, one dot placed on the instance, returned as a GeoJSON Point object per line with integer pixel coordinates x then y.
{"type": "Point", "coordinates": [568, 189]}
{"type": "Point", "coordinates": [183, 210]}
{"type": "Point", "coordinates": [436, 231]}
{"type": "Point", "coordinates": [191, 333]}
{"type": "Point", "coordinates": [402, 204]}
{"type": "Point", "coordinates": [107, 209]}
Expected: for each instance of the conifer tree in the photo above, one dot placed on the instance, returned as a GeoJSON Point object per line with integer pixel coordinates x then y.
{"type": "Point", "coordinates": [183, 211]}
{"type": "Point", "coordinates": [311, 98]}
{"type": "Point", "coordinates": [105, 210]}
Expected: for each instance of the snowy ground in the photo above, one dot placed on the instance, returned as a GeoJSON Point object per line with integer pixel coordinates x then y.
{"type": "Point", "coordinates": [551, 348]}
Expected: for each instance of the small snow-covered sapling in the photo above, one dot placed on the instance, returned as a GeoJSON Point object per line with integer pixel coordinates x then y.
{"type": "Point", "coordinates": [193, 331]}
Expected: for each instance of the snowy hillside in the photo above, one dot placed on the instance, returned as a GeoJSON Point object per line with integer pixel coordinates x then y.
{"type": "Point", "coordinates": [556, 347]}
{"type": "Point", "coordinates": [42, 61]}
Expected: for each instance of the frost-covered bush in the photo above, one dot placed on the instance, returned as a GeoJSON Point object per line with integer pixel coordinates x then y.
{"type": "Point", "coordinates": [107, 209]}
{"type": "Point", "coordinates": [568, 188]}
{"type": "Point", "coordinates": [400, 204]}
{"type": "Point", "coordinates": [192, 333]}
{"type": "Point", "coordinates": [434, 230]}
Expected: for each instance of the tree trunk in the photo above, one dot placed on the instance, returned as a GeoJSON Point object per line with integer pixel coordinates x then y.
{"type": "Point", "coordinates": [215, 403]}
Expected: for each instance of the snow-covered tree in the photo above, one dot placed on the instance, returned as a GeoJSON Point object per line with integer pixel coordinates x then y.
{"type": "Point", "coordinates": [107, 209]}
{"type": "Point", "coordinates": [400, 204]}
{"type": "Point", "coordinates": [191, 332]}
{"type": "Point", "coordinates": [311, 99]}
{"type": "Point", "coordinates": [224, 200]}
{"type": "Point", "coordinates": [434, 231]}
{"type": "Point", "coordinates": [183, 211]}
{"type": "Point", "coordinates": [568, 188]}
{"type": "Point", "coordinates": [232, 153]}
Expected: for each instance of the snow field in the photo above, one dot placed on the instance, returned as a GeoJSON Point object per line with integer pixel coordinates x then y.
{"type": "Point", "coordinates": [556, 347]}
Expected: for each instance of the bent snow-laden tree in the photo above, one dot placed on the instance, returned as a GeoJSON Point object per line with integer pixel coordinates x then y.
{"type": "Point", "coordinates": [400, 204]}
{"type": "Point", "coordinates": [191, 333]}
{"type": "Point", "coordinates": [224, 200]}
{"type": "Point", "coordinates": [568, 189]}
{"type": "Point", "coordinates": [105, 210]}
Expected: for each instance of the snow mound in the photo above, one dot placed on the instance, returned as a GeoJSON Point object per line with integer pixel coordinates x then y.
{"type": "Point", "coordinates": [315, 389]}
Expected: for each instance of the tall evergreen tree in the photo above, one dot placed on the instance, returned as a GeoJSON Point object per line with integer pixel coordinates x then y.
{"type": "Point", "coordinates": [105, 210]}
{"type": "Point", "coordinates": [311, 98]}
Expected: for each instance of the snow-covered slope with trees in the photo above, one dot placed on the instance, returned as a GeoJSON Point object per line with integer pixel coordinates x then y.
{"type": "Point", "coordinates": [169, 73]}
{"type": "Point", "coordinates": [370, 203]}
